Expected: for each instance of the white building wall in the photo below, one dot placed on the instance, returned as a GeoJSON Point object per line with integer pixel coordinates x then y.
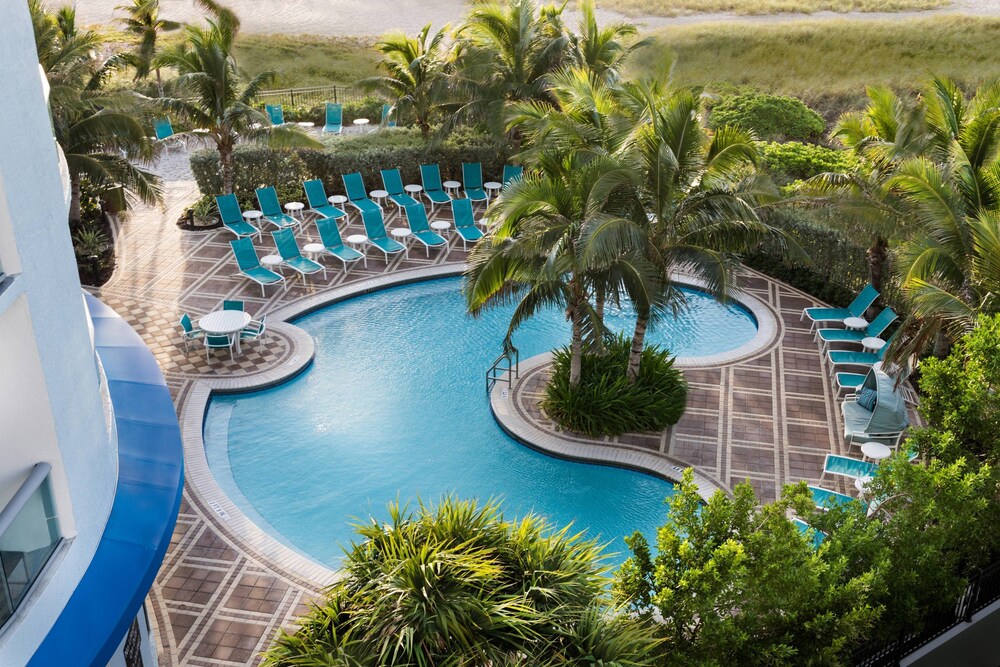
{"type": "Point", "coordinates": [55, 413]}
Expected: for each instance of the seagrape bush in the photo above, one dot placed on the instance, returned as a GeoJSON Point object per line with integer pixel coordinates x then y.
{"type": "Point", "coordinates": [796, 160]}
{"type": "Point", "coordinates": [402, 148]}
{"type": "Point", "coordinates": [770, 117]}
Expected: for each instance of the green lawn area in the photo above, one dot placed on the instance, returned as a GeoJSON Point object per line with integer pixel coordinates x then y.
{"type": "Point", "coordinates": [678, 7]}
{"type": "Point", "coordinates": [821, 60]}
{"type": "Point", "coordinates": [306, 60]}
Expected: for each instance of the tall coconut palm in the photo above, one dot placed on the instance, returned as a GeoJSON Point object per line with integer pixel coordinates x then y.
{"type": "Point", "coordinates": [96, 129]}
{"type": "Point", "coordinates": [217, 99]}
{"type": "Point", "coordinates": [143, 20]}
{"type": "Point", "coordinates": [602, 49]}
{"type": "Point", "coordinates": [534, 258]}
{"type": "Point", "coordinates": [696, 206]}
{"type": "Point", "coordinates": [416, 74]}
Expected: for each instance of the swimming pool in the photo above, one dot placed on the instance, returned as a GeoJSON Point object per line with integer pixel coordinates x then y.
{"type": "Point", "coordinates": [394, 407]}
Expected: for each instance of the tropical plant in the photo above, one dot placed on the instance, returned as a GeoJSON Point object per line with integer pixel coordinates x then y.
{"type": "Point", "coordinates": [459, 584]}
{"type": "Point", "coordinates": [602, 50]}
{"type": "Point", "coordinates": [534, 256]}
{"type": "Point", "coordinates": [143, 20]}
{"type": "Point", "coordinates": [769, 117]}
{"type": "Point", "coordinates": [737, 584]}
{"type": "Point", "coordinates": [216, 99]}
{"type": "Point", "coordinates": [605, 402]}
{"type": "Point", "coordinates": [96, 128]}
{"type": "Point", "coordinates": [416, 74]}
{"type": "Point", "coordinates": [505, 51]}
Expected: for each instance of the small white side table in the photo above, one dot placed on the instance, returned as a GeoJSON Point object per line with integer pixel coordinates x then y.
{"type": "Point", "coordinates": [492, 188]}
{"type": "Point", "coordinates": [441, 226]}
{"type": "Point", "coordinates": [306, 125]}
{"type": "Point", "coordinates": [860, 483]}
{"type": "Point", "coordinates": [378, 196]}
{"type": "Point", "coordinates": [253, 217]}
{"type": "Point", "coordinates": [313, 250]}
{"type": "Point", "coordinates": [875, 451]}
{"type": "Point", "coordinates": [339, 201]}
{"type": "Point", "coordinates": [451, 187]}
{"type": "Point", "coordinates": [272, 262]}
{"type": "Point", "coordinates": [413, 189]}
{"type": "Point", "coordinates": [294, 208]}
{"type": "Point", "coordinates": [856, 323]}
{"type": "Point", "coordinates": [357, 239]}
{"type": "Point", "coordinates": [872, 344]}
{"type": "Point", "coordinates": [402, 234]}
{"type": "Point", "coordinates": [360, 123]}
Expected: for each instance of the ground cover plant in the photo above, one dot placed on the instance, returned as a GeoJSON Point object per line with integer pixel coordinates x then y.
{"type": "Point", "coordinates": [605, 402]}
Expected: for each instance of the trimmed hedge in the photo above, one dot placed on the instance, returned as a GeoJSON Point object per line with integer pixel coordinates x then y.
{"type": "Point", "coordinates": [604, 403]}
{"type": "Point", "coordinates": [795, 160]}
{"type": "Point", "coordinates": [257, 166]}
{"type": "Point", "coordinates": [770, 117]}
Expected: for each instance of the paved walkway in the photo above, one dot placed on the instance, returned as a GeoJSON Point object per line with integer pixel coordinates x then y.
{"type": "Point", "coordinates": [217, 601]}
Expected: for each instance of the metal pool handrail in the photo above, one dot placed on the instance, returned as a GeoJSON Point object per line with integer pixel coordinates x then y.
{"type": "Point", "coordinates": [497, 371]}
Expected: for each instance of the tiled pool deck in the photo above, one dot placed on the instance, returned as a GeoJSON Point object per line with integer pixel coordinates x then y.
{"type": "Point", "coordinates": [769, 417]}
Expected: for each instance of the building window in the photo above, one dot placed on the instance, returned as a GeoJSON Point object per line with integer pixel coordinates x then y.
{"type": "Point", "coordinates": [29, 535]}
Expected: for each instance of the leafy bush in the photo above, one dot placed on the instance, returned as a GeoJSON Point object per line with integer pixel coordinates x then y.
{"type": "Point", "coordinates": [369, 107]}
{"type": "Point", "coordinates": [604, 403]}
{"type": "Point", "coordinates": [796, 160]}
{"type": "Point", "coordinates": [368, 153]}
{"type": "Point", "coordinates": [770, 117]}
{"type": "Point", "coordinates": [461, 585]}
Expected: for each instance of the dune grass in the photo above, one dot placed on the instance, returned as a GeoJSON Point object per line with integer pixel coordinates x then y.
{"type": "Point", "coordinates": [822, 59]}
{"type": "Point", "coordinates": [306, 60]}
{"type": "Point", "coordinates": [763, 7]}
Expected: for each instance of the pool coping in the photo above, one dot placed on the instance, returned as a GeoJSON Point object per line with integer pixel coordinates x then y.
{"type": "Point", "coordinates": [208, 490]}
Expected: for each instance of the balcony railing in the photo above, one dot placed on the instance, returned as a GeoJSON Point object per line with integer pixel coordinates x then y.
{"type": "Point", "coordinates": [29, 535]}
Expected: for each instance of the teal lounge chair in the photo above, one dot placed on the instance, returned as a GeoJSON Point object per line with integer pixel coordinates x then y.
{"type": "Point", "coordinates": [512, 172]}
{"type": "Point", "coordinates": [357, 196]}
{"type": "Point", "coordinates": [246, 258]}
{"type": "Point", "coordinates": [232, 217]}
{"type": "Point", "coordinates": [845, 466]}
{"type": "Point", "coordinates": [856, 309]}
{"type": "Point", "coordinates": [472, 181]}
{"type": "Point", "coordinates": [275, 113]}
{"type": "Point", "coordinates": [319, 203]}
{"type": "Point", "coordinates": [271, 208]}
{"type": "Point", "coordinates": [873, 330]}
{"type": "Point", "coordinates": [867, 359]}
{"type": "Point", "coordinates": [334, 245]}
{"type": "Point", "coordinates": [188, 331]}
{"type": "Point", "coordinates": [826, 500]}
{"type": "Point", "coordinates": [284, 239]}
{"type": "Point", "coordinates": [375, 229]}
{"type": "Point", "coordinates": [388, 113]}
{"type": "Point", "coordinates": [163, 129]}
{"type": "Point", "coordinates": [334, 118]}
{"type": "Point", "coordinates": [255, 331]}
{"type": "Point", "coordinates": [420, 229]}
{"type": "Point", "coordinates": [465, 222]}
{"type": "Point", "coordinates": [430, 178]}
{"type": "Point", "coordinates": [817, 535]}
{"type": "Point", "coordinates": [393, 184]}
{"type": "Point", "coordinates": [876, 413]}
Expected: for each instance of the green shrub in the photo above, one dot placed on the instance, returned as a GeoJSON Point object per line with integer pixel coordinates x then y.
{"type": "Point", "coordinates": [369, 107]}
{"type": "Point", "coordinates": [770, 117]}
{"type": "Point", "coordinates": [403, 148]}
{"type": "Point", "coordinates": [795, 160]}
{"type": "Point", "coordinates": [604, 403]}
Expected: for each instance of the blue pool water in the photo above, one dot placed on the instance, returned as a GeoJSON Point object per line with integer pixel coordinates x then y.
{"type": "Point", "coordinates": [394, 406]}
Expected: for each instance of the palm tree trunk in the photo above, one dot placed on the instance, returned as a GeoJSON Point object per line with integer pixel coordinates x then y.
{"type": "Point", "coordinates": [576, 350]}
{"type": "Point", "coordinates": [226, 163]}
{"type": "Point", "coordinates": [74, 201]}
{"type": "Point", "coordinates": [635, 353]}
{"type": "Point", "coordinates": [159, 82]}
{"type": "Point", "coordinates": [942, 345]}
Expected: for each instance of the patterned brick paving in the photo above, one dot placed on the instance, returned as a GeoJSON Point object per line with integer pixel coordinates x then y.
{"type": "Point", "coordinates": [769, 419]}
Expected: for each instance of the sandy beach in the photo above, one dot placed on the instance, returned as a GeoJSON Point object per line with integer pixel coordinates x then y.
{"type": "Point", "coordinates": [375, 17]}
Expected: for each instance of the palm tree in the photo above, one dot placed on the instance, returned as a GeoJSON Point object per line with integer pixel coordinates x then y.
{"type": "Point", "coordinates": [461, 585]}
{"type": "Point", "coordinates": [696, 206]}
{"type": "Point", "coordinates": [602, 50]}
{"type": "Point", "coordinates": [416, 74]}
{"type": "Point", "coordinates": [505, 51]}
{"type": "Point", "coordinates": [215, 97]}
{"type": "Point", "coordinates": [96, 129]}
{"type": "Point", "coordinates": [143, 20]}
{"type": "Point", "coordinates": [534, 257]}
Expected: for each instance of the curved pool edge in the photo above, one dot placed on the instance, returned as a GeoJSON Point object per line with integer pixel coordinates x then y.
{"type": "Point", "coordinates": [262, 544]}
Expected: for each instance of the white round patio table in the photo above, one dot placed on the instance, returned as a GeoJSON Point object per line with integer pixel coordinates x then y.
{"type": "Point", "coordinates": [875, 451]}
{"type": "Point", "coordinates": [856, 323]}
{"type": "Point", "coordinates": [872, 343]}
{"type": "Point", "coordinates": [413, 188]}
{"type": "Point", "coordinates": [400, 233]}
{"type": "Point", "coordinates": [313, 250]}
{"type": "Point", "coordinates": [252, 217]}
{"type": "Point", "coordinates": [861, 482]}
{"type": "Point", "coordinates": [272, 262]}
{"type": "Point", "coordinates": [306, 125]}
{"type": "Point", "coordinates": [492, 188]}
{"type": "Point", "coordinates": [357, 239]}
{"type": "Point", "coordinates": [295, 208]}
{"type": "Point", "coordinates": [225, 323]}
{"type": "Point", "coordinates": [378, 196]}
{"type": "Point", "coordinates": [360, 123]}
{"type": "Point", "coordinates": [441, 226]}
{"type": "Point", "coordinates": [336, 200]}
{"type": "Point", "coordinates": [449, 186]}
